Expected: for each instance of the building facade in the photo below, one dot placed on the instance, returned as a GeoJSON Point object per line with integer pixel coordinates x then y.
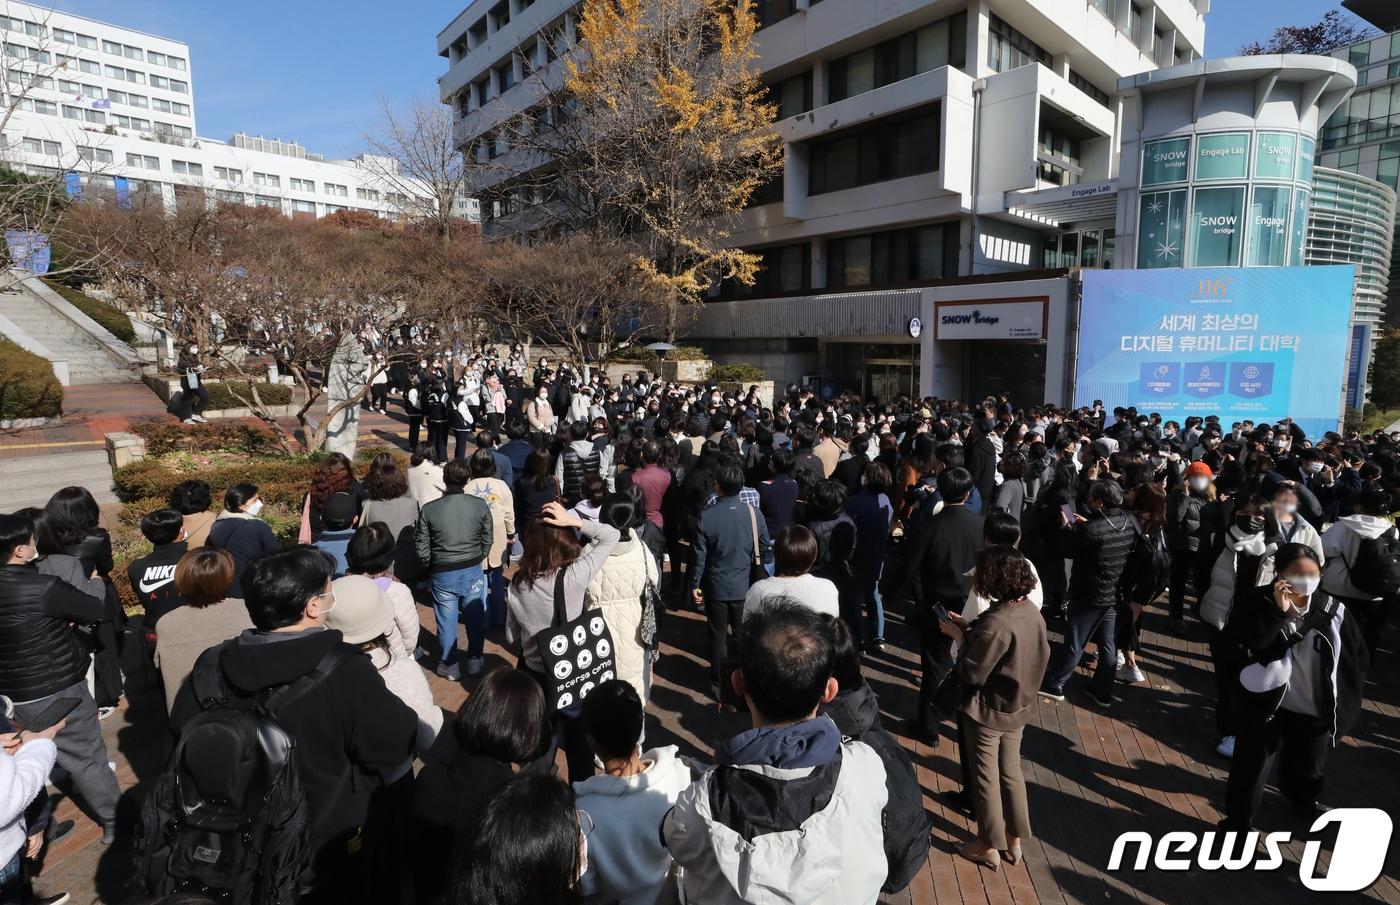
{"type": "Point", "coordinates": [927, 143]}
{"type": "Point", "coordinates": [111, 103]}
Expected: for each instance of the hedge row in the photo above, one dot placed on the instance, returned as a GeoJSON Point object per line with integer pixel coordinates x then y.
{"type": "Point", "coordinates": [280, 480]}
{"type": "Point", "coordinates": [221, 397]}
{"type": "Point", "coordinates": [115, 321]}
{"type": "Point", "coordinates": [162, 438]}
{"type": "Point", "coordinates": [736, 374]}
{"type": "Point", "coordinates": [28, 387]}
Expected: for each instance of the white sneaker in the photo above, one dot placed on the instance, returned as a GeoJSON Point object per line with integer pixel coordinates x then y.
{"type": "Point", "coordinates": [1226, 748]}
{"type": "Point", "coordinates": [1121, 660]}
{"type": "Point", "coordinates": [199, 419]}
{"type": "Point", "coordinates": [1130, 674]}
{"type": "Point", "coordinates": [188, 421]}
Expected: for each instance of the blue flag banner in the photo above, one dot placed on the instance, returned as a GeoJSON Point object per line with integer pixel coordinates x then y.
{"type": "Point", "coordinates": [72, 184]}
{"type": "Point", "coordinates": [1244, 343]}
{"type": "Point", "coordinates": [28, 250]}
{"type": "Point", "coordinates": [123, 186]}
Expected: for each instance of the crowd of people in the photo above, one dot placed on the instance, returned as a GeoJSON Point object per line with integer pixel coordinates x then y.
{"type": "Point", "coordinates": [310, 760]}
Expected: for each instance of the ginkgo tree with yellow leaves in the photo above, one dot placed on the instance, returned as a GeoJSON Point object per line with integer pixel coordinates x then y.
{"type": "Point", "coordinates": [660, 132]}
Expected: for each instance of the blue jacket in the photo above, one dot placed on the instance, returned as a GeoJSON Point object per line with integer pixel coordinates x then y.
{"type": "Point", "coordinates": [724, 548]}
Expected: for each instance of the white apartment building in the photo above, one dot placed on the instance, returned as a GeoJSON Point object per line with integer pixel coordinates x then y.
{"type": "Point", "coordinates": [117, 106]}
{"type": "Point", "coordinates": [929, 144]}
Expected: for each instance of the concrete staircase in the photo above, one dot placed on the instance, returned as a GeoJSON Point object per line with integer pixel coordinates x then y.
{"type": "Point", "coordinates": [31, 480]}
{"type": "Point", "coordinates": [92, 355]}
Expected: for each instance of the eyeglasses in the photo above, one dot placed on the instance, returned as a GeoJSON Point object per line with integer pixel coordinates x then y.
{"type": "Point", "coordinates": [585, 823]}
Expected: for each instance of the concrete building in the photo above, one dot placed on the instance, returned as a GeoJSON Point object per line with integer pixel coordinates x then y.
{"type": "Point", "coordinates": [111, 103]}
{"type": "Point", "coordinates": [929, 144]}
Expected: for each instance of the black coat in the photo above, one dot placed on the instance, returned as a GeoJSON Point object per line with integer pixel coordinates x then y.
{"type": "Point", "coordinates": [246, 539]}
{"type": "Point", "coordinates": [1261, 629]}
{"type": "Point", "coordinates": [982, 463]}
{"type": "Point", "coordinates": [40, 653]}
{"type": "Point", "coordinates": [948, 546]}
{"type": "Point", "coordinates": [350, 730]}
{"type": "Point", "coordinates": [449, 803]}
{"type": "Point", "coordinates": [1100, 548]}
{"type": "Point", "coordinates": [856, 712]}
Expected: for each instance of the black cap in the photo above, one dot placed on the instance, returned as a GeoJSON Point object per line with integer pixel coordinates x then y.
{"type": "Point", "coordinates": [338, 509]}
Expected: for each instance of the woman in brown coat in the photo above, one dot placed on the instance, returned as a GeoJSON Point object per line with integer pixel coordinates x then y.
{"type": "Point", "coordinates": [1001, 664]}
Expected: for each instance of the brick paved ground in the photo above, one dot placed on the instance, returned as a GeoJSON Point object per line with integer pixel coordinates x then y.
{"type": "Point", "coordinates": [1149, 765]}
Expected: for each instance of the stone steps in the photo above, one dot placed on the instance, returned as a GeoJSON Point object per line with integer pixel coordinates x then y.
{"type": "Point", "coordinates": [89, 361]}
{"type": "Point", "coordinates": [32, 480]}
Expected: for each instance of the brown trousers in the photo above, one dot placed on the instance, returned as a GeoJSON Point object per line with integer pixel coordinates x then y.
{"type": "Point", "coordinates": [998, 788]}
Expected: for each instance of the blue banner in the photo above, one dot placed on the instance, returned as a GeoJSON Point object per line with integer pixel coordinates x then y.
{"type": "Point", "coordinates": [123, 187]}
{"type": "Point", "coordinates": [28, 250]}
{"type": "Point", "coordinates": [1255, 343]}
{"type": "Point", "coordinates": [72, 184]}
{"type": "Point", "coordinates": [1356, 366]}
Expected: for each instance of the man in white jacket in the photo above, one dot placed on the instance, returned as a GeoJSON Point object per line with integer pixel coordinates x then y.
{"type": "Point", "coordinates": [1340, 545]}
{"type": "Point", "coordinates": [627, 801]}
{"type": "Point", "coordinates": [791, 814]}
{"type": "Point", "coordinates": [25, 765]}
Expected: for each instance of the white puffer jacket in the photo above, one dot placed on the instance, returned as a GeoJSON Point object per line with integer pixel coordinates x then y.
{"type": "Point", "coordinates": [1219, 599]}
{"type": "Point", "coordinates": [1340, 542]}
{"type": "Point", "coordinates": [405, 679]}
{"type": "Point", "coordinates": [616, 590]}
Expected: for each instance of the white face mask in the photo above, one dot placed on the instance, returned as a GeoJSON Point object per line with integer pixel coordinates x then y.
{"type": "Point", "coordinates": [1304, 584]}
{"type": "Point", "coordinates": [1200, 484]}
{"type": "Point", "coordinates": [194, 350]}
{"type": "Point", "coordinates": [1314, 467]}
{"type": "Point", "coordinates": [254, 507]}
{"type": "Point", "coordinates": [35, 552]}
{"type": "Point", "coordinates": [1288, 508]}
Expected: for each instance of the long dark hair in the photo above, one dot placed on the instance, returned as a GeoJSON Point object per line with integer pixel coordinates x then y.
{"type": "Point", "coordinates": [526, 850]}
{"type": "Point", "coordinates": [70, 515]}
{"type": "Point", "coordinates": [547, 550]}
{"type": "Point", "coordinates": [537, 469]}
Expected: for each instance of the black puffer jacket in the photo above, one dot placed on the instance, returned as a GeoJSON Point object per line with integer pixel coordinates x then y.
{"type": "Point", "coordinates": [40, 653]}
{"type": "Point", "coordinates": [1186, 532]}
{"type": "Point", "coordinates": [1100, 548]}
{"type": "Point", "coordinates": [856, 712]}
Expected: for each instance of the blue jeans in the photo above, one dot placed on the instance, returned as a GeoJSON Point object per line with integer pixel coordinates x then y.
{"type": "Point", "coordinates": [496, 588]}
{"type": "Point", "coordinates": [12, 880]}
{"type": "Point", "coordinates": [874, 606]}
{"type": "Point", "coordinates": [460, 592]}
{"type": "Point", "coordinates": [1086, 623]}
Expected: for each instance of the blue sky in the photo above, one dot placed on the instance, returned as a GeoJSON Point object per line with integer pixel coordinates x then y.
{"type": "Point", "coordinates": [313, 70]}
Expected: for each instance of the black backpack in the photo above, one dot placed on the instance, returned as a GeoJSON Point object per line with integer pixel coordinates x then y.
{"type": "Point", "coordinates": [229, 817]}
{"type": "Point", "coordinates": [1375, 568]}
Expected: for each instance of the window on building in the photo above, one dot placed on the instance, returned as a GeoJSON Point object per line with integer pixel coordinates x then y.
{"type": "Point", "coordinates": [112, 47]}
{"type": "Point", "coordinates": [898, 256]}
{"type": "Point", "coordinates": [82, 114]}
{"type": "Point", "coordinates": [86, 41]}
{"type": "Point", "coordinates": [1109, 8]}
{"type": "Point", "coordinates": [303, 185]}
{"type": "Point", "coordinates": [32, 54]}
{"type": "Point", "coordinates": [24, 81]}
{"type": "Point", "coordinates": [770, 11]}
{"type": "Point", "coordinates": [891, 149]}
{"type": "Point", "coordinates": [1057, 156]}
{"type": "Point", "coordinates": [481, 88]}
{"type": "Point", "coordinates": [529, 56]}
{"type": "Point", "coordinates": [1100, 96]}
{"type": "Point", "coordinates": [1359, 55]}
{"type": "Point", "coordinates": [228, 174]}
{"type": "Point", "coordinates": [267, 180]}
{"type": "Point", "coordinates": [160, 81]}
{"type": "Point", "coordinates": [505, 76]}
{"type": "Point", "coordinates": [161, 105]}
{"type": "Point", "coordinates": [267, 201]}
{"type": "Point", "coordinates": [1008, 48]}
{"type": "Point", "coordinates": [792, 95]}
{"type": "Point", "coordinates": [43, 146]}
{"type": "Point", "coordinates": [94, 155]}
{"type": "Point", "coordinates": [1135, 24]}
{"type": "Point", "coordinates": [786, 268]}
{"type": "Point", "coordinates": [179, 87]}
{"type": "Point", "coordinates": [366, 194]}
{"type": "Point", "coordinates": [941, 43]}
{"type": "Point", "coordinates": [143, 161]}
{"type": "Point", "coordinates": [337, 191]}
{"type": "Point", "coordinates": [177, 63]}
{"type": "Point", "coordinates": [156, 58]}
{"type": "Point", "coordinates": [499, 15]}
{"type": "Point", "coordinates": [304, 207]}
{"type": "Point", "coordinates": [132, 53]}
{"type": "Point", "coordinates": [33, 105]}
{"type": "Point", "coordinates": [91, 67]}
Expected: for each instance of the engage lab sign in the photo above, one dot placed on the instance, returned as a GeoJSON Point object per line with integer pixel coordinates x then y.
{"type": "Point", "coordinates": [1019, 318]}
{"type": "Point", "coordinates": [1254, 343]}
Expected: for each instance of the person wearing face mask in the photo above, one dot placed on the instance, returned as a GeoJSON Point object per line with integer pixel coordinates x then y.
{"type": "Point", "coordinates": [1299, 690]}
{"type": "Point", "coordinates": [1353, 574]}
{"type": "Point", "coordinates": [351, 732]}
{"type": "Point", "coordinates": [191, 368]}
{"type": "Point", "coordinates": [540, 413]}
{"type": "Point", "coordinates": [1245, 560]}
{"type": "Point", "coordinates": [46, 661]}
{"type": "Point", "coordinates": [239, 531]}
{"type": "Point", "coordinates": [1286, 522]}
